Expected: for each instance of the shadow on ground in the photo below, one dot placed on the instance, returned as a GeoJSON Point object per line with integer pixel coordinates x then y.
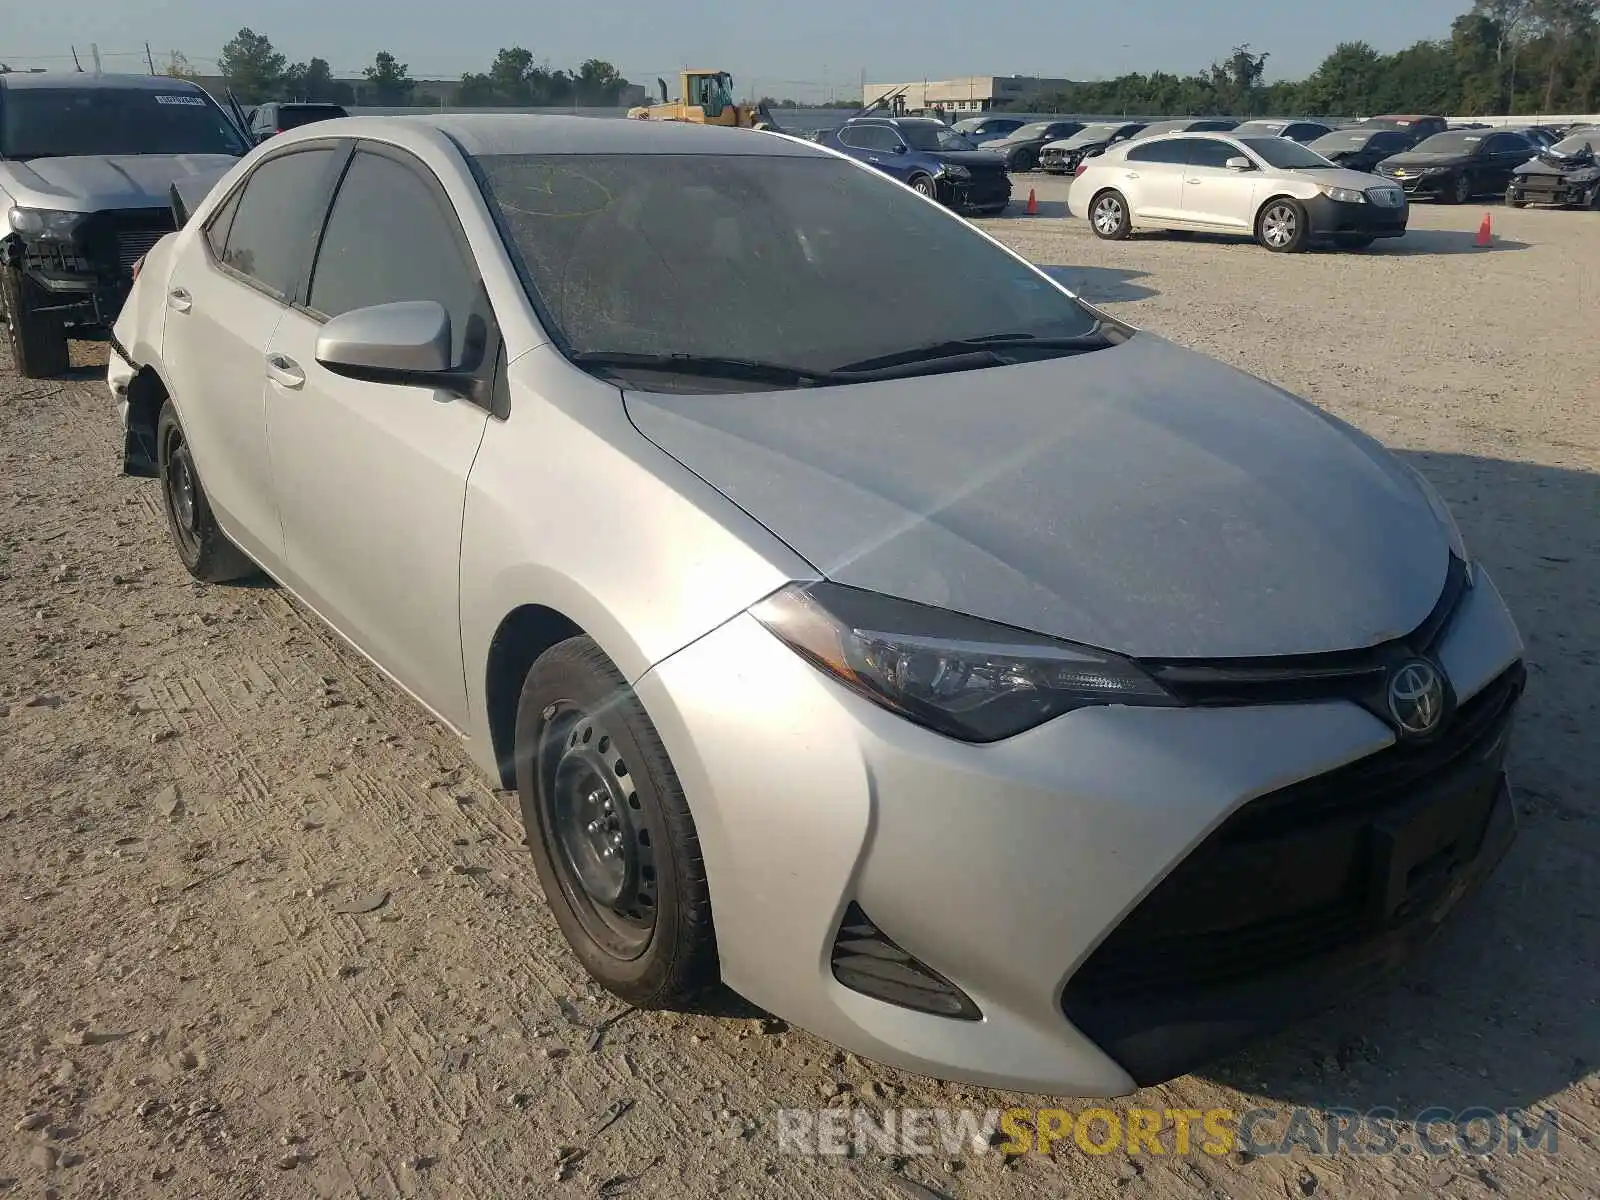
{"type": "Point", "coordinates": [1441, 241]}
{"type": "Point", "coordinates": [1102, 284]}
{"type": "Point", "coordinates": [1499, 1011]}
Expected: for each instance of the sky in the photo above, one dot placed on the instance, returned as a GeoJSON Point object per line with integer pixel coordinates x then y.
{"type": "Point", "coordinates": [798, 50]}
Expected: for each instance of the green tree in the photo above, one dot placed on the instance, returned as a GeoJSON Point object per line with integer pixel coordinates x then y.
{"type": "Point", "coordinates": [389, 81]}
{"type": "Point", "coordinates": [1509, 18]}
{"type": "Point", "coordinates": [251, 67]}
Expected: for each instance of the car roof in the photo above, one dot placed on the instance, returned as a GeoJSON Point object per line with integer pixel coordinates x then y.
{"type": "Point", "coordinates": [27, 80]}
{"type": "Point", "coordinates": [482, 134]}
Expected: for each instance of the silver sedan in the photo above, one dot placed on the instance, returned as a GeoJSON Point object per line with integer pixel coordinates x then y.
{"type": "Point", "coordinates": [861, 619]}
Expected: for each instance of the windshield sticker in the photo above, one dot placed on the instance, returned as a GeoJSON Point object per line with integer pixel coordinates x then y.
{"type": "Point", "coordinates": [196, 101]}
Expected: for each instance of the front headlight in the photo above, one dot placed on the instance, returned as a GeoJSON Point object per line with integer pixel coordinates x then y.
{"type": "Point", "coordinates": [1345, 195]}
{"type": "Point", "coordinates": [961, 676]}
{"type": "Point", "coordinates": [957, 171]}
{"type": "Point", "coordinates": [44, 224]}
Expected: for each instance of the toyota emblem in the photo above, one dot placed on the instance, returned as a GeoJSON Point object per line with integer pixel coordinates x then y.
{"type": "Point", "coordinates": [1416, 698]}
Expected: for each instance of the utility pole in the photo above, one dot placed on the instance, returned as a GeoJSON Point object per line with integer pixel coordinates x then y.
{"type": "Point", "coordinates": [149, 58]}
{"type": "Point", "coordinates": [94, 53]}
{"type": "Point", "coordinates": [75, 61]}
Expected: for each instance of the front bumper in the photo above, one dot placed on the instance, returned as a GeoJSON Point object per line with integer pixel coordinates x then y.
{"type": "Point", "coordinates": [977, 193]}
{"type": "Point", "coordinates": [1551, 189]}
{"type": "Point", "coordinates": [1330, 218]}
{"type": "Point", "coordinates": [87, 279]}
{"type": "Point", "coordinates": [1006, 867]}
{"type": "Point", "coordinates": [1424, 185]}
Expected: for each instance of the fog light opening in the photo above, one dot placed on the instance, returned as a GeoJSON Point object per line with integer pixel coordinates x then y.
{"type": "Point", "coordinates": [867, 960]}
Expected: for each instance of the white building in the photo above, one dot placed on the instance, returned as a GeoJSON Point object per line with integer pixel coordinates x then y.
{"type": "Point", "coordinates": [972, 93]}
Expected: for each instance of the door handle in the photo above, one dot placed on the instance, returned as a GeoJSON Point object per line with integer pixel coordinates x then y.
{"type": "Point", "coordinates": [1130, 174]}
{"type": "Point", "coordinates": [179, 300]}
{"type": "Point", "coordinates": [1194, 181]}
{"type": "Point", "coordinates": [284, 371]}
{"type": "Point", "coordinates": [875, 160]}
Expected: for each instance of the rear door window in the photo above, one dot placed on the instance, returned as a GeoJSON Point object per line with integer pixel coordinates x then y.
{"type": "Point", "coordinates": [1203, 152]}
{"type": "Point", "coordinates": [1164, 150]}
{"type": "Point", "coordinates": [279, 210]}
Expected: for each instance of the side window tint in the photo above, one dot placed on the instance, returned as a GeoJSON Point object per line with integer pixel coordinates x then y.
{"type": "Point", "coordinates": [1167, 151]}
{"type": "Point", "coordinates": [217, 227]}
{"type": "Point", "coordinates": [277, 218]}
{"type": "Point", "coordinates": [1203, 152]}
{"type": "Point", "coordinates": [390, 237]}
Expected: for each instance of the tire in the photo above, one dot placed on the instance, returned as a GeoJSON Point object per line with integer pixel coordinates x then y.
{"type": "Point", "coordinates": [1461, 191]}
{"type": "Point", "coordinates": [38, 339]}
{"type": "Point", "coordinates": [1353, 241]}
{"type": "Point", "coordinates": [924, 185]}
{"type": "Point", "coordinates": [1023, 160]}
{"type": "Point", "coordinates": [1281, 225]}
{"type": "Point", "coordinates": [205, 551]}
{"type": "Point", "coordinates": [597, 789]}
{"type": "Point", "coordinates": [1108, 216]}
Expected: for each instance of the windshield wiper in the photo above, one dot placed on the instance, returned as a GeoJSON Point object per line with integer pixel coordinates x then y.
{"type": "Point", "coordinates": [987, 345]}
{"type": "Point", "coordinates": [709, 366]}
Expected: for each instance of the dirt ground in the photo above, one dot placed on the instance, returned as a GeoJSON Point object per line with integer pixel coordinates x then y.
{"type": "Point", "coordinates": [199, 784]}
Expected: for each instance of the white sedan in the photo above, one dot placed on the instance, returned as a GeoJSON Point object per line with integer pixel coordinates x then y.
{"type": "Point", "coordinates": [1285, 195]}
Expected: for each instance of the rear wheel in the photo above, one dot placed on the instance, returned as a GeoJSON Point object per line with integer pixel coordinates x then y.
{"type": "Point", "coordinates": [206, 552]}
{"type": "Point", "coordinates": [38, 339]}
{"type": "Point", "coordinates": [1108, 216]}
{"type": "Point", "coordinates": [612, 839]}
{"type": "Point", "coordinates": [1281, 225]}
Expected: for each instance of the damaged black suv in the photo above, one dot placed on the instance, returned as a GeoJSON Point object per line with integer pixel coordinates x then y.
{"type": "Point", "coordinates": [87, 166]}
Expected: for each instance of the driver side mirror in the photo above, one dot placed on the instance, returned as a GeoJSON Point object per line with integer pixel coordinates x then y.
{"type": "Point", "coordinates": [1239, 163]}
{"type": "Point", "coordinates": [900, 148]}
{"type": "Point", "coordinates": [402, 343]}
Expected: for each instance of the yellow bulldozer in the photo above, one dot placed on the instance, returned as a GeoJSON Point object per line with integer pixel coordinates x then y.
{"type": "Point", "coordinates": [705, 98]}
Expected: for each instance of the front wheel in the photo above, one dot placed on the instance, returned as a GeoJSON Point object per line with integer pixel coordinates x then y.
{"type": "Point", "coordinates": [1281, 226]}
{"type": "Point", "coordinates": [1514, 200]}
{"type": "Point", "coordinates": [1108, 216]}
{"type": "Point", "coordinates": [38, 339]}
{"type": "Point", "coordinates": [205, 551]}
{"type": "Point", "coordinates": [610, 830]}
{"type": "Point", "coordinates": [1461, 189]}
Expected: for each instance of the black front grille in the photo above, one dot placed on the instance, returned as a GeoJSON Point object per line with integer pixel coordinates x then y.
{"type": "Point", "coordinates": [113, 241]}
{"type": "Point", "coordinates": [1289, 877]}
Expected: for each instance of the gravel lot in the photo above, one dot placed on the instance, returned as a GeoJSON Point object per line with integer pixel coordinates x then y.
{"type": "Point", "coordinates": [197, 780]}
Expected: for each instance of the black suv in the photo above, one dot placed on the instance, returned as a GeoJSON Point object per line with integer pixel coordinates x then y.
{"type": "Point", "coordinates": [274, 117]}
{"type": "Point", "coordinates": [87, 167]}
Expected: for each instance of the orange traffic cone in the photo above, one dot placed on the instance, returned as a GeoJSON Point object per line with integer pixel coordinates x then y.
{"type": "Point", "coordinates": [1033, 204]}
{"type": "Point", "coordinates": [1485, 231]}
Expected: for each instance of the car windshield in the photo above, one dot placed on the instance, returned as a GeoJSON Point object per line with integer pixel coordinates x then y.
{"type": "Point", "coordinates": [1578, 144]}
{"type": "Point", "coordinates": [1340, 141]}
{"type": "Point", "coordinates": [1261, 128]}
{"type": "Point", "coordinates": [1038, 129]}
{"type": "Point", "coordinates": [1284, 154]}
{"type": "Point", "coordinates": [1095, 133]}
{"type": "Point", "coordinates": [1454, 142]}
{"type": "Point", "coordinates": [59, 122]}
{"type": "Point", "coordinates": [930, 135]}
{"type": "Point", "coordinates": [810, 262]}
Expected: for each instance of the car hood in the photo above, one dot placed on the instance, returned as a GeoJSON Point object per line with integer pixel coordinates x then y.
{"type": "Point", "coordinates": [100, 182]}
{"type": "Point", "coordinates": [1143, 498]}
{"type": "Point", "coordinates": [1554, 164]}
{"type": "Point", "coordinates": [1410, 158]}
{"type": "Point", "coordinates": [969, 158]}
{"type": "Point", "coordinates": [1340, 177]}
{"type": "Point", "coordinates": [1073, 143]}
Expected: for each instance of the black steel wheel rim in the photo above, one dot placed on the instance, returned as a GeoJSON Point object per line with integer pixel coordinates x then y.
{"type": "Point", "coordinates": [595, 831]}
{"type": "Point", "coordinates": [182, 493]}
